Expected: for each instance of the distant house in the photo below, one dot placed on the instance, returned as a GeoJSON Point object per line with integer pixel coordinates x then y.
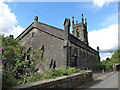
{"type": "Point", "coordinates": [116, 67]}
{"type": "Point", "coordinates": [60, 47]}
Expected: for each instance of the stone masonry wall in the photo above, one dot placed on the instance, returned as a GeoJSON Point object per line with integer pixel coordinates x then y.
{"type": "Point", "coordinates": [69, 81]}
{"type": "Point", "coordinates": [53, 46]}
{"type": "Point", "coordinates": [85, 59]}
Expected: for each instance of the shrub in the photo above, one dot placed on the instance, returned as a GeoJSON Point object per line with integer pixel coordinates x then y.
{"type": "Point", "coordinates": [70, 70]}
{"type": "Point", "coordinates": [16, 68]}
{"type": "Point", "coordinates": [61, 71]}
{"type": "Point", "coordinates": [83, 71]}
{"type": "Point", "coordinates": [35, 77]}
{"type": "Point", "coordinates": [8, 79]}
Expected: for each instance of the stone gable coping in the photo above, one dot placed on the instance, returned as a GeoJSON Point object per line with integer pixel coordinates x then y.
{"type": "Point", "coordinates": [43, 27]}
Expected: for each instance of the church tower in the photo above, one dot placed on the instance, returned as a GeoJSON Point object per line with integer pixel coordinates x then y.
{"type": "Point", "coordinates": [80, 30]}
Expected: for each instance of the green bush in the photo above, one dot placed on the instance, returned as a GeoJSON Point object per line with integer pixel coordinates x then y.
{"type": "Point", "coordinates": [34, 77]}
{"type": "Point", "coordinates": [70, 70]}
{"type": "Point", "coordinates": [8, 79]}
{"type": "Point", "coordinates": [13, 59]}
{"type": "Point", "coordinates": [61, 71]}
{"type": "Point", "coordinates": [83, 71]}
{"type": "Point", "coordinates": [109, 62]}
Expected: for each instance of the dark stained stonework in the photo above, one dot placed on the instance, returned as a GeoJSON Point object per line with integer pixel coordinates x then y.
{"type": "Point", "coordinates": [61, 47]}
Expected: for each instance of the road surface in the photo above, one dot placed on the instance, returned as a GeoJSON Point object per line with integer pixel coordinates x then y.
{"type": "Point", "coordinates": [110, 80]}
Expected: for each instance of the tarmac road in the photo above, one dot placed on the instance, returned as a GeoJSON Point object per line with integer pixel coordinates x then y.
{"type": "Point", "coordinates": [107, 81]}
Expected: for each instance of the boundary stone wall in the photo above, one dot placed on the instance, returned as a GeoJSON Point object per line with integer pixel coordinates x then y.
{"type": "Point", "coordinates": [68, 81]}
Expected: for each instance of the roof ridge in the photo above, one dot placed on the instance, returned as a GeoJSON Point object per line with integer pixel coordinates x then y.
{"type": "Point", "coordinates": [51, 26]}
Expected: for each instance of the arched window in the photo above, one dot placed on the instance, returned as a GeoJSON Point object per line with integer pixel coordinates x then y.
{"type": "Point", "coordinates": [77, 33]}
{"type": "Point", "coordinates": [51, 63]}
{"type": "Point", "coordinates": [42, 48]}
{"type": "Point", "coordinates": [32, 34]}
{"type": "Point", "coordinates": [28, 51]}
{"type": "Point", "coordinates": [54, 65]}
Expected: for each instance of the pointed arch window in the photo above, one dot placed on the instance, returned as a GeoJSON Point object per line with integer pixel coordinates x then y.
{"type": "Point", "coordinates": [51, 63]}
{"type": "Point", "coordinates": [28, 51]}
{"type": "Point", "coordinates": [32, 34]}
{"type": "Point", "coordinates": [42, 50]}
{"type": "Point", "coordinates": [77, 32]}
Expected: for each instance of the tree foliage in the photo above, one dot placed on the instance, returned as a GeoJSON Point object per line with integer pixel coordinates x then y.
{"type": "Point", "coordinates": [96, 64]}
{"type": "Point", "coordinates": [15, 63]}
{"type": "Point", "coordinates": [8, 46]}
{"type": "Point", "coordinates": [109, 62]}
{"type": "Point", "coordinates": [8, 59]}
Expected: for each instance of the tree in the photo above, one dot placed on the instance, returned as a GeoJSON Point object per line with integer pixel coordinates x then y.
{"type": "Point", "coordinates": [108, 59]}
{"type": "Point", "coordinates": [109, 62]}
{"type": "Point", "coordinates": [16, 66]}
{"type": "Point", "coordinates": [116, 56]}
{"type": "Point", "coordinates": [8, 59]}
{"type": "Point", "coordinates": [8, 46]}
{"type": "Point", "coordinates": [96, 63]}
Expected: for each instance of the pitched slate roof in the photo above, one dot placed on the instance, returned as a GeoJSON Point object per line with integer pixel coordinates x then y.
{"type": "Point", "coordinates": [43, 27]}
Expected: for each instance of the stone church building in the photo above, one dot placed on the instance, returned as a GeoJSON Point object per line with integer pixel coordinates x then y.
{"type": "Point", "coordinates": [60, 46]}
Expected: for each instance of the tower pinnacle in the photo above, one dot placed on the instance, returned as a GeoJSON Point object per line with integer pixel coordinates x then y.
{"type": "Point", "coordinates": [72, 21]}
{"type": "Point", "coordinates": [76, 22]}
{"type": "Point", "coordinates": [82, 18]}
{"type": "Point", "coordinates": [85, 21]}
{"type": "Point", "coordinates": [36, 18]}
